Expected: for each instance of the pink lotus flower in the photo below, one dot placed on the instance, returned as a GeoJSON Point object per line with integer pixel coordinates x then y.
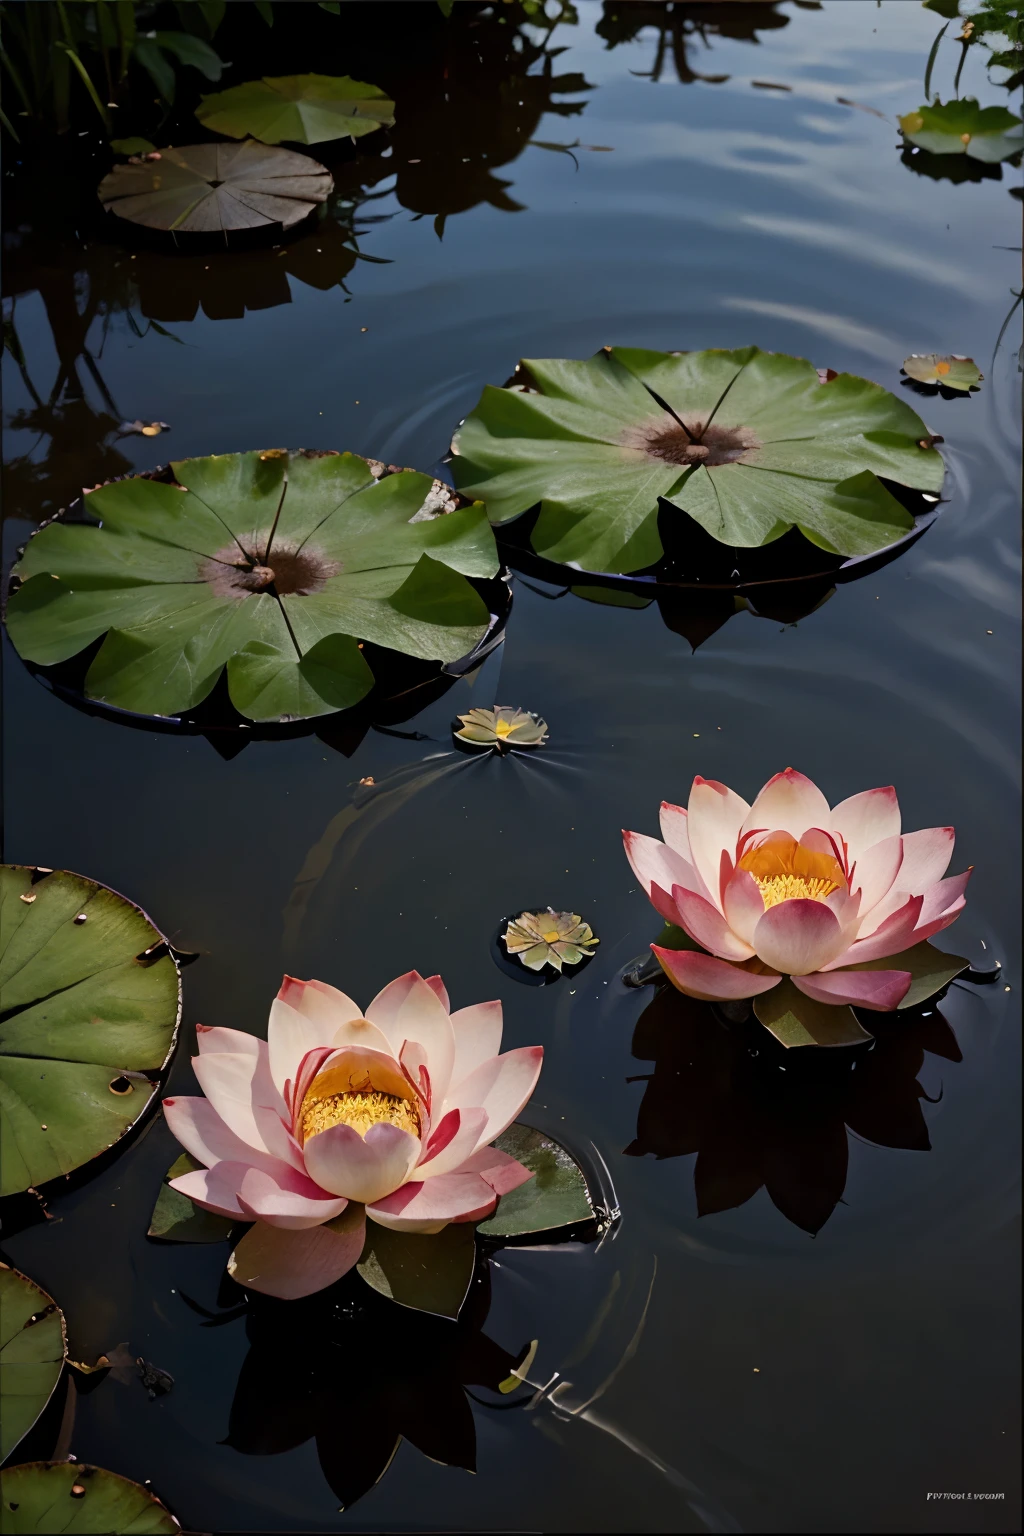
{"type": "Point", "coordinates": [340, 1115]}
{"type": "Point", "coordinates": [788, 887]}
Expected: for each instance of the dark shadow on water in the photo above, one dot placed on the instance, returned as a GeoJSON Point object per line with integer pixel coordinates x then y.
{"type": "Point", "coordinates": [358, 1374]}
{"type": "Point", "coordinates": [712, 1094]}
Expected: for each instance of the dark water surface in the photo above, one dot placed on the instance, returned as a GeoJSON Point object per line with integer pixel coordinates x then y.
{"type": "Point", "coordinates": [781, 1381]}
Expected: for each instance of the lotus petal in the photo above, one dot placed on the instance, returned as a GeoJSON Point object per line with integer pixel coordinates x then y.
{"type": "Point", "coordinates": [432, 1205]}
{"type": "Point", "coordinates": [501, 1086]}
{"type": "Point", "coordinates": [708, 927]}
{"type": "Point", "coordinates": [294, 1264]}
{"type": "Point", "coordinates": [798, 936]}
{"type": "Point", "coordinates": [789, 802]}
{"type": "Point", "coordinates": [477, 1031]}
{"type": "Point", "coordinates": [713, 823]}
{"type": "Point", "coordinates": [711, 979]}
{"type": "Point", "coordinates": [866, 819]}
{"type": "Point", "coordinates": [361, 1168]}
{"type": "Point", "coordinates": [880, 991]}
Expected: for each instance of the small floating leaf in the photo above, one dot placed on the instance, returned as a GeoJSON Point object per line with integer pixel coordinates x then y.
{"type": "Point", "coordinates": [549, 938]}
{"type": "Point", "coordinates": [176, 1219]}
{"type": "Point", "coordinates": [73, 1498]}
{"type": "Point", "coordinates": [952, 372]}
{"type": "Point", "coordinates": [430, 1273]}
{"type": "Point", "coordinates": [502, 728]}
{"type": "Point", "coordinates": [80, 1012]}
{"type": "Point", "coordinates": [133, 146]}
{"type": "Point", "coordinates": [304, 109]}
{"type": "Point", "coordinates": [963, 128]}
{"type": "Point", "coordinates": [796, 1020]}
{"type": "Point", "coordinates": [214, 188]}
{"type": "Point", "coordinates": [556, 1196]}
{"type": "Point", "coordinates": [33, 1347]}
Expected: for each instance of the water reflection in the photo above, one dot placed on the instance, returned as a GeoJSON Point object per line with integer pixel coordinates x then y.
{"type": "Point", "coordinates": [358, 1375]}
{"type": "Point", "coordinates": [752, 1129]}
{"type": "Point", "coordinates": [682, 24]}
{"type": "Point", "coordinates": [469, 104]}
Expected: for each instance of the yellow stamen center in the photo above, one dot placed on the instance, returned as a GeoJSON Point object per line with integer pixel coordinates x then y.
{"type": "Point", "coordinates": [551, 937]}
{"type": "Point", "coordinates": [942, 368]}
{"type": "Point", "coordinates": [787, 871]}
{"type": "Point", "coordinates": [503, 728]}
{"type": "Point", "coordinates": [359, 1110]}
{"type": "Point", "coordinates": [794, 888]}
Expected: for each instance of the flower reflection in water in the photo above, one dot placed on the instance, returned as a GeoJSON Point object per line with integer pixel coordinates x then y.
{"type": "Point", "coordinates": [297, 1382]}
{"type": "Point", "coordinates": [753, 1129]}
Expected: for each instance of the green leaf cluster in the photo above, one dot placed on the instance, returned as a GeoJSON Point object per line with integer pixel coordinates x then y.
{"type": "Point", "coordinates": [988, 134]}
{"type": "Point", "coordinates": [428, 1273]}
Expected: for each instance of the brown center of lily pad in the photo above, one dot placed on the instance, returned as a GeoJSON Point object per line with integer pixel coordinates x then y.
{"type": "Point", "coordinates": [692, 444]}
{"type": "Point", "coordinates": [239, 570]}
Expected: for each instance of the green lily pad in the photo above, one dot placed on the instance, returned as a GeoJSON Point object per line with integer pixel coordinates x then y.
{"type": "Point", "coordinates": [931, 969]}
{"type": "Point", "coordinates": [80, 1500]}
{"type": "Point", "coordinates": [963, 128]}
{"type": "Point", "coordinates": [747, 443]}
{"type": "Point", "coordinates": [304, 109]}
{"type": "Point", "coordinates": [213, 188]}
{"type": "Point", "coordinates": [271, 565]}
{"type": "Point", "coordinates": [33, 1348]}
{"type": "Point", "coordinates": [555, 1198]}
{"type": "Point", "coordinates": [90, 993]}
{"type": "Point", "coordinates": [430, 1273]}
{"type": "Point", "coordinates": [176, 1219]}
{"type": "Point", "coordinates": [133, 146]}
{"type": "Point", "coordinates": [951, 372]}
{"type": "Point", "coordinates": [795, 1019]}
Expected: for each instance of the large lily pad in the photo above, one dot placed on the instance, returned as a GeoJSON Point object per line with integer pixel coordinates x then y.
{"type": "Point", "coordinates": [214, 188]}
{"type": "Point", "coordinates": [964, 128]}
{"type": "Point", "coordinates": [272, 565]}
{"type": "Point", "coordinates": [69, 1497]}
{"type": "Point", "coordinates": [303, 109]}
{"type": "Point", "coordinates": [89, 993]}
{"type": "Point", "coordinates": [33, 1347]}
{"type": "Point", "coordinates": [747, 443]}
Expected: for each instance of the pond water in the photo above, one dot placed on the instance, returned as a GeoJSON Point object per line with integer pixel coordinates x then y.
{"type": "Point", "coordinates": [835, 1338]}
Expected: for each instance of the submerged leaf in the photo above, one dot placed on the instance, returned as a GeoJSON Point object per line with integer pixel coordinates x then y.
{"type": "Point", "coordinates": [87, 1013]}
{"type": "Point", "coordinates": [549, 938]}
{"type": "Point", "coordinates": [272, 565]}
{"type": "Point", "coordinates": [213, 188]}
{"type": "Point", "coordinates": [304, 109]}
{"type": "Point", "coordinates": [747, 443]}
{"type": "Point", "coordinates": [952, 372]}
{"type": "Point", "coordinates": [963, 128]}
{"type": "Point", "coordinates": [33, 1347]}
{"type": "Point", "coordinates": [502, 728]}
{"type": "Point", "coordinates": [82, 1498]}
